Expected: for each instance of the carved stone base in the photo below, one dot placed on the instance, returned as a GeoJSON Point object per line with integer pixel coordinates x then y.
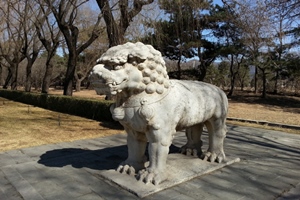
{"type": "Point", "coordinates": [180, 168]}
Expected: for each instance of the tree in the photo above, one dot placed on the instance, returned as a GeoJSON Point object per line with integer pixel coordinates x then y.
{"type": "Point", "coordinates": [85, 64]}
{"type": "Point", "coordinates": [243, 76]}
{"type": "Point", "coordinates": [66, 13]}
{"type": "Point", "coordinates": [88, 57]}
{"type": "Point", "coordinates": [282, 17]}
{"type": "Point", "coordinates": [254, 23]}
{"type": "Point", "coordinates": [292, 71]}
{"type": "Point", "coordinates": [169, 43]}
{"type": "Point", "coordinates": [11, 46]}
{"type": "Point", "coordinates": [31, 43]}
{"type": "Point", "coordinates": [176, 33]}
{"type": "Point", "coordinates": [182, 35]}
{"type": "Point", "coordinates": [217, 74]}
{"type": "Point", "coordinates": [127, 11]}
{"type": "Point", "coordinates": [49, 35]}
{"type": "Point", "coordinates": [229, 32]}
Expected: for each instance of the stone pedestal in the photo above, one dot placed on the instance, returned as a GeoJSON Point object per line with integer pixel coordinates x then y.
{"type": "Point", "coordinates": [180, 168]}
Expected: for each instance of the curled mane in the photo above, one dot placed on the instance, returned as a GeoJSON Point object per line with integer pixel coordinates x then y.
{"type": "Point", "coordinates": [146, 59]}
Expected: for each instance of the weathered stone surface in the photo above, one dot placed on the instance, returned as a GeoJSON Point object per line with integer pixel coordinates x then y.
{"type": "Point", "coordinates": [153, 108]}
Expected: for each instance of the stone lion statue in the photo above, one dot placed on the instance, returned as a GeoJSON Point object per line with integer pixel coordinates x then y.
{"type": "Point", "coordinates": [152, 108]}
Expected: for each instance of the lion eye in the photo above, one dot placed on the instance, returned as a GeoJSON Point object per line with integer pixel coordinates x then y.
{"type": "Point", "coordinates": [108, 67]}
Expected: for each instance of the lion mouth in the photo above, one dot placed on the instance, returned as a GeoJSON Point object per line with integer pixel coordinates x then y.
{"type": "Point", "coordinates": [115, 87]}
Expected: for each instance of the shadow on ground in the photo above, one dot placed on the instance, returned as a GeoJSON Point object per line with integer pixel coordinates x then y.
{"type": "Point", "coordinates": [102, 159]}
{"type": "Point", "coordinates": [112, 125]}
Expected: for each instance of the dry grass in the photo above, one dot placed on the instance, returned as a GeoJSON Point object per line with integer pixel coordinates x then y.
{"type": "Point", "coordinates": [24, 126]}
{"type": "Point", "coordinates": [276, 108]}
{"type": "Point", "coordinates": [82, 93]}
{"type": "Point", "coordinates": [262, 113]}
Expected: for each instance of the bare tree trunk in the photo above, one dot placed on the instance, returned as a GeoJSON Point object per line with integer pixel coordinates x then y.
{"type": "Point", "coordinates": [232, 78]}
{"type": "Point", "coordinates": [116, 31]}
{"type": "Point", "coordinates": [78, 82]}
{"type": "Point", "coordinates": [255, 80]}
{"type": "Point", "coordinates": [28, 81]}
{"type": "Point", "coordinates": [276, 82]}
{"type": "Point", "coordinates": [264, 79]}
{"type": "Point", "coordinates": [47, 77]}
{"type": "Point", "coordinates": [264, 92]}
{"type": "Point", "coordinates": [78, 85]}
{"type": "Point", "coordinates": [112, 29]}
{"type": "Point", "coordinates": [242, 80]}
{"type": "Point", "coordinates": [232, 83]}
{"type": "Point", "coordinates": [202, 73]}
{"type": "Point", "coordinates": [8, 78]}
{"type": "Point", "coordinates": [14, 77]}
{"type": "Point", "coordinates": [31, 58]}
{"type": "Point", "coordinates": [0, 74]}
{"type": "Point", "coordinates": [204, 63]}
{"type": "Point", "coordinates": [233, 74]}
{"type": "Point", "coordinates": [68, 83]}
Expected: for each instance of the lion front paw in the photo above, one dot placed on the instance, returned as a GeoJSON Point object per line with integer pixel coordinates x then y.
{"type": "Point", "coordinates": [126, 169]}
{"type": "Point", "coordinates": [149, 176]}
{"type": "Point", "coordinates": [213, 157]}
{"type": "Point", "coordinates": [129, 168]}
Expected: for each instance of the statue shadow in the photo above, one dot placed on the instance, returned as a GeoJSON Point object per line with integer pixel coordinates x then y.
{"type": "Point", "coordinates": [100, 159]}
{"type": "Point", "coordinates": [112, 125]}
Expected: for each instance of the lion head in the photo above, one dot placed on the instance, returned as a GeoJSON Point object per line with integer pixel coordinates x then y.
{"type": "Point", "coordinates": [131, 67]}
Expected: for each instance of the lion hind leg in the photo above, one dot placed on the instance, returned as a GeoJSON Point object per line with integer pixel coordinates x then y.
{"type": "Point", "coordinates": [194, 143]}
{"type": "Point", "coordinates": [217, 133]}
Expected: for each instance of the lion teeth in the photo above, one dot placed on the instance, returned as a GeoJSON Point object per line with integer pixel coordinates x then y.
{"type": "Point", "coordinates": [119, 90]}
{"type": "Point", "coordinates": [113, 92]}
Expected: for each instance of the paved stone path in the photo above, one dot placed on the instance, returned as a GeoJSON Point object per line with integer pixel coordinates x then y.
{"type": "Point", "coordinates": [269, 169]}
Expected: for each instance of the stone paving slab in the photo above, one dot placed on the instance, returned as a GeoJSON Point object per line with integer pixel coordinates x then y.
{"type": "Point", "coordinates": [180, 168]}
{"type": "Point", "coordinates": [268, 169]}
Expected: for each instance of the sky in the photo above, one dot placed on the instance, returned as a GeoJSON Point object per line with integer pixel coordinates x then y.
{"type": "Point", "coordinates": [218, 2]}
